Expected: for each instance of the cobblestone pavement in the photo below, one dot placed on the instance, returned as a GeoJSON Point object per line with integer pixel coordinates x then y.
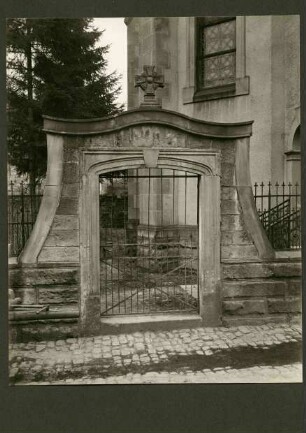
{"type": "Point", "coordinates": [268, 353]}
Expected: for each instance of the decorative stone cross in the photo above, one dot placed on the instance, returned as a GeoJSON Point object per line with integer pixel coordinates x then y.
{"type": "Point", "coordinates": [149, 81]}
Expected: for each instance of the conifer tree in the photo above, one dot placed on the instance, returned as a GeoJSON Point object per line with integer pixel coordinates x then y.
{"type": "Point", "coordinates": [54, 67]}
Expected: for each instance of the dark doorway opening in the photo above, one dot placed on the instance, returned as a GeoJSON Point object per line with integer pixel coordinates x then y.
{"type": "Point", "coordinates": [149, 250]}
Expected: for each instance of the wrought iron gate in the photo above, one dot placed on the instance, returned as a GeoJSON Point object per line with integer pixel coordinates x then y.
{"type": "Point", "coordinates": [148, 241]}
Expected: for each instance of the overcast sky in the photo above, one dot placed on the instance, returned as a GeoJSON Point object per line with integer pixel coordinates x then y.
{"type": "Point", "coordinates": [115, 35]}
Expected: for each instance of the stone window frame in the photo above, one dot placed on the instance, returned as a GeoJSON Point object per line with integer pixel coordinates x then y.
{"type": "Point", "coordinates": [241, 86]}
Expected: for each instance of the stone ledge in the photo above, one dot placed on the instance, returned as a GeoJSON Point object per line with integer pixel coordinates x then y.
{"type": "Point", "coordinates": [62, 312]}
{"type": "Point", "coordinates": [135, 323]}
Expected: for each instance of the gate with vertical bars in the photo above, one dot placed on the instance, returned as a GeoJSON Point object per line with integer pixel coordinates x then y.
{"type": "Point", "coordinates": [149, 241]}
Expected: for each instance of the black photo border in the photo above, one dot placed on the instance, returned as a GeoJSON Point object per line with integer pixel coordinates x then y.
{"type": "Point", "coordinates": [188, 408]}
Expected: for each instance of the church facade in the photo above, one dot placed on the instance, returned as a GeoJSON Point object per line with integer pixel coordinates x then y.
{"type": "Point", "coordinates": [229, 69]}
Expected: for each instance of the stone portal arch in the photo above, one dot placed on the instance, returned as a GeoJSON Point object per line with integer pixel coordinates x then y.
{"type": "Point", "coordinates": [66, 233]}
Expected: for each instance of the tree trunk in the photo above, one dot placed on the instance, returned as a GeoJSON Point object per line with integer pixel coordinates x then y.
{"type": "Point", "coordinates": [28, 52]}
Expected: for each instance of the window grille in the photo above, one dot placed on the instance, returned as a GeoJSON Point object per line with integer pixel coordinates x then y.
{"type": "Point", "coordinates": [216, 65]}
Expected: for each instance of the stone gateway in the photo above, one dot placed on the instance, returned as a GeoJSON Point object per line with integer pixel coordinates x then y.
{"type": "Point", "coordinates": [148, 213]}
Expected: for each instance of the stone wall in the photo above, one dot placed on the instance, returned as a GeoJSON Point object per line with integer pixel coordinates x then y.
{"type": "Point", "coordinates": [257, 292]}
{"type": "Point", "coordinates": [46, 285]}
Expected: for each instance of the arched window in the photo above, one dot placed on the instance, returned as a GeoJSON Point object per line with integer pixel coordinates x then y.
{"type": "Point", "coordinates": [293, 159]}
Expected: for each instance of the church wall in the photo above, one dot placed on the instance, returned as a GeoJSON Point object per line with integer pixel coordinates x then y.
{"type": "Point", "coordinates": [272, 65]}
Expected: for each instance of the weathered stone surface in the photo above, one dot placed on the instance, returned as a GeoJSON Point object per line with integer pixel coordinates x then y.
{"type": "Point", "coordinates": [142, 136]}
{"type": "Point", "coordinates": [293, 305]}
{"type": "Point", "coordinates": [62, 238]}
{"type": "Point", "coordinates": [230, 207]}
{"type": "Point", "coordinates": [28, 296]}
{"type": "Point", "coordinates": [65, 222]}
{"type": "Point", "coordinates": [71, 189]}
{"type": "Point", "coordinates": [253, 320]}
{"type": "Point", "coordinates": [228, 171]}
{"type": "Point", "coordinates": [228, 150]}
{"type": "Point", "coordinates": [253, 288]}
{"type": "Point", "coordinates": [231, 222]}
{"type": "Point", "coordinates": [34, 277]}
{"type": "Point", "coordinates": [58, 295]}
{"type": "Point", "coordinates": [59, 254]}
{"type": "Point", "coordinates": [71, 172]}
{"type": "Point", "coordinates": [239, 237]}
{"type": "Point", "coordinates": [294, 287]}
{"type": "Point", "coordinates": [244, 307]}
{"type": "Point", "coordinates": [68, 206]}
{"type": "Point", "coordinates": [73, 142]}
{"type": "Point", "coordinates": [287, 269]}
{"type": "Point", "coordinates": [229, 193]}
{"type": "Point", "coordinates": [261, 270]}
{"type": "Point", "coordinates": [48, 330]}
{"type": "Point", "coordinates": [71, 155]}
{"type": "Point", "coordinates": [238, 251]}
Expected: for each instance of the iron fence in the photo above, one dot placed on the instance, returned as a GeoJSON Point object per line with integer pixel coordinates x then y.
{"type": "Point", "coordinates": [23, 205]}
{"type": "Point", "coordinates": [279, 210]}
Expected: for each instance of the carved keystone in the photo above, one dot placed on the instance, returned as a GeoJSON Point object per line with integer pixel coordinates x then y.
{"type": "Point", "coordinates": [150, 157]}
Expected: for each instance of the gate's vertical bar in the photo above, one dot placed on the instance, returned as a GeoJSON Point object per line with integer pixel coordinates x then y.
{"type": "Point", "coordinates": [168, 287]}
{"type": "Point", "coordinates": [135, 247]}
{"type": "Point", "coordinates": [112, 241]}
{"type": "Point", "coordinates": [173, 221]}
{"type": "Point", "coordinates": [22, 215]}
{"type": "Point", "coordinates": [117, 247]}
{"type": "Point", "coordinates": [173, 183]}
{"type": "Point", "coordinates": [13, 237]}
{"type": "Point", "coordinates": [184, 240]}
{"type": "Point", "coordinates": [143, 274]}
{"type": "Point", "coordinates": [289, 213]}
{"type": "Point", "coordinates": [198, 246]}
{"type": "Point", "coordinates": [262, 197]}
{"type": "Point", "coordinates": [149, 240]}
